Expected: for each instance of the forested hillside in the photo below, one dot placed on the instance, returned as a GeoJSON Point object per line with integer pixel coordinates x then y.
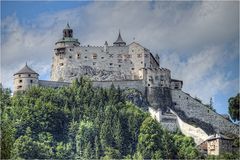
{"type": "Point", "coordinates": [82, 122]}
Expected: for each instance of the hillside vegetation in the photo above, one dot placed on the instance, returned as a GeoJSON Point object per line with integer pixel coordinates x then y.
{"type": "Point", "coordinates": [82, 122]}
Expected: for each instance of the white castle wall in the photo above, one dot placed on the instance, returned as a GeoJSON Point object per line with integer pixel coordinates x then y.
{"type": "Point", "coordinates": [196, 110]}
{"type": "Point", "coordinates": [24, 81]}
{"type": "Point", "coordinates": [121, 63]}
{"type": "Point", "coordinates": [196, 133]}
{"type": "Point", "coordinates": [52, 84]}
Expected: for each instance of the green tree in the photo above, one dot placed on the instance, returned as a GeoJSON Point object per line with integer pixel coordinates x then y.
{"type": "Point", "coordinates": [185, 147]}
{"type": "Point", "coordinates": [27, 148]}
{"type": "Point", "coordinates": [85, 140]}
{"type": "Point", "coordinates": [233, 107]}
{"type": "Point", "coordinates": [149, 139]}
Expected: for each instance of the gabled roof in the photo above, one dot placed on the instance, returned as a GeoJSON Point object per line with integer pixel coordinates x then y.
{"type": "Point", "coordinates": [218, 136]}
{"type": "Point", "coordinates": [119, 39]}
{"type": "Point", "coordinates": [26, 70]}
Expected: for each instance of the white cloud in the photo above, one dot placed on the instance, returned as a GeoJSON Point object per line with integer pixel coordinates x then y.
{"type": "Point", "coordinates": [190, 35]}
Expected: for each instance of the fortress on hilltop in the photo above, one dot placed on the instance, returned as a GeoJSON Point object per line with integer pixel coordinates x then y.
{"type": "Point", "coordinates": [130, 66]}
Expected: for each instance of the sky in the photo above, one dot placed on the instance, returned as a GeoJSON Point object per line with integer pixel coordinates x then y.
{"type": "Point", "coordinates": [197, 40]}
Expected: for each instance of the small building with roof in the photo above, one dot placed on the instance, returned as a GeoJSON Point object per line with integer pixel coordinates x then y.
{"type": "Point", "coordinates": [217, 144]}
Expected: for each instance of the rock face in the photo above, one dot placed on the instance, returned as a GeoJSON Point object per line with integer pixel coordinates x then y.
{"type": "Point", "coordinates": [93, 73]}
{"type": "Point", "coordinates": [137, 98]}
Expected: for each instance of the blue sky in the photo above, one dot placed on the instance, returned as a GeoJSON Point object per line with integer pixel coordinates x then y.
{"type": "Point", "coordinates": [198, 41]}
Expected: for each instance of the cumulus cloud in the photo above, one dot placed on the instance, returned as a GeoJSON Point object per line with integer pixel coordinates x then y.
{"type": "Point", "coordinates": [190, 37]}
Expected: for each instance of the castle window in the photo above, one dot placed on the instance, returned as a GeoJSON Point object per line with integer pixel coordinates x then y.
{"type": "Point", "coordinates": [102, 57]}
{"type": "Point", "coordinates": [187, 97]}
{"type": "Point", "coordinates": [94, 56]}
{"type": "Point", "coordinates": [145, 65]}
{"type": "Point", "coordinates": [119, 55]}
{"type": "Point", "coordinates": [146, 55]}
{"type": "Point", "coordinates": [179, 96]}
{"type": "Point", "coordinates": [141, 62]}
{"type": "Point", "coordinates": [119, 65]}
{"type": "Point", "coordinates": [94, 63]}
{"type": "Point", "coordinates": [132, 50]}
{"type": "Point", "coordinates": [149, 85]}
{"type": "Point", "coordinates": [19, 75]}
{"type": "Point", "coordinates": [18, 87]}
{"type": "Point", "coordinates": [78, 56]}
{"type": "Point", "coordinates": [70, 57]}
{"type": "Point", "coordinates": [161, 77]}
{"type": "Point", "coordinates": [70, 49]}
{"type": "Point", "coordinates": [139, 55]}
{"type": "Point", "coordinates": [20, 81]}
{"type": "Point", "coordinates": [132, 68]}
{"type": "Point", "coordinates": [86, 50]}
{"type": "Point", "coordinates": [119, 60]}
{"type": "Point", "coordinates": [127, 56]}
{"type": "Point", "coordinates": [61, 64]}
{"type": "Point", "coordinates": [111, 55]}
{"type": "Point", "coordinates": [156, 77]}
{"type": "Point", "coordinates": [29, 75]}
{"type": "Point", "coordinates": [110, 64]}
{"type": "Point", "coordinates": [61, 56]}
{"type": "Point", "coordinates": [31, 81]}
{"type": "Point", "coordinates": [85, 57]}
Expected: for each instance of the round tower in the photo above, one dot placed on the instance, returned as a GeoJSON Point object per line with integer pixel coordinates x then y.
{"type": "Point", "coordinates": [25, 78]}
{"type": "Point", "coordinates": [63, 53]}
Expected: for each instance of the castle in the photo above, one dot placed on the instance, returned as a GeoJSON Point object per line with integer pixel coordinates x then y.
{"type": "Point", "coordinates": [130, 66]}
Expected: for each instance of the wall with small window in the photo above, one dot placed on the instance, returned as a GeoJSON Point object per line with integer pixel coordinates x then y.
{"type": "Point", "coordinates": [24, 81]}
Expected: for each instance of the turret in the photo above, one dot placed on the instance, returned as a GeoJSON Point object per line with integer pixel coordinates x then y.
{"type": "Point", "coordinates": [67, 32]}
{"type": "Point", "coordinates": [157, 59]}
{"type": "Point", "coordinates": [67, 39]}
{"type": "Point", "coordinates": [105, 46]}
{"type": "Point", "coordinates": [119, 42]}
{"type": "Point", "coordinates": [25, 78]}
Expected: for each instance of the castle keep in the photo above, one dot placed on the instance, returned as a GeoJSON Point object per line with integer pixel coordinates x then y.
{"type": "Point", "coordinates": [129, 66]}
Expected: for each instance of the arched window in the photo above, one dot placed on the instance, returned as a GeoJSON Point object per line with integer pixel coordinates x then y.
{"type": "Point", "coordinates": [94, 56]}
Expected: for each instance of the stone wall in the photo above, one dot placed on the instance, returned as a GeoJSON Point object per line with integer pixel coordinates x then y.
{"type": "Point", "coordinates": [195, 113]}
{"type": "Point", "coordinates": [159, 97]}
{"type": "Point", "coordinates": [52, 84]}
{"type": "Point", "coordinates": [167, 120]}
{"type": "Point", "coordinates": [196, 133]}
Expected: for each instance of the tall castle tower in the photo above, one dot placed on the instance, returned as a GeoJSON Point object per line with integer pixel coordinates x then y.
{"type": "Point", "coordinates": [61, 52]}
{"type": "Point", "coordinates": [25, 78]}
